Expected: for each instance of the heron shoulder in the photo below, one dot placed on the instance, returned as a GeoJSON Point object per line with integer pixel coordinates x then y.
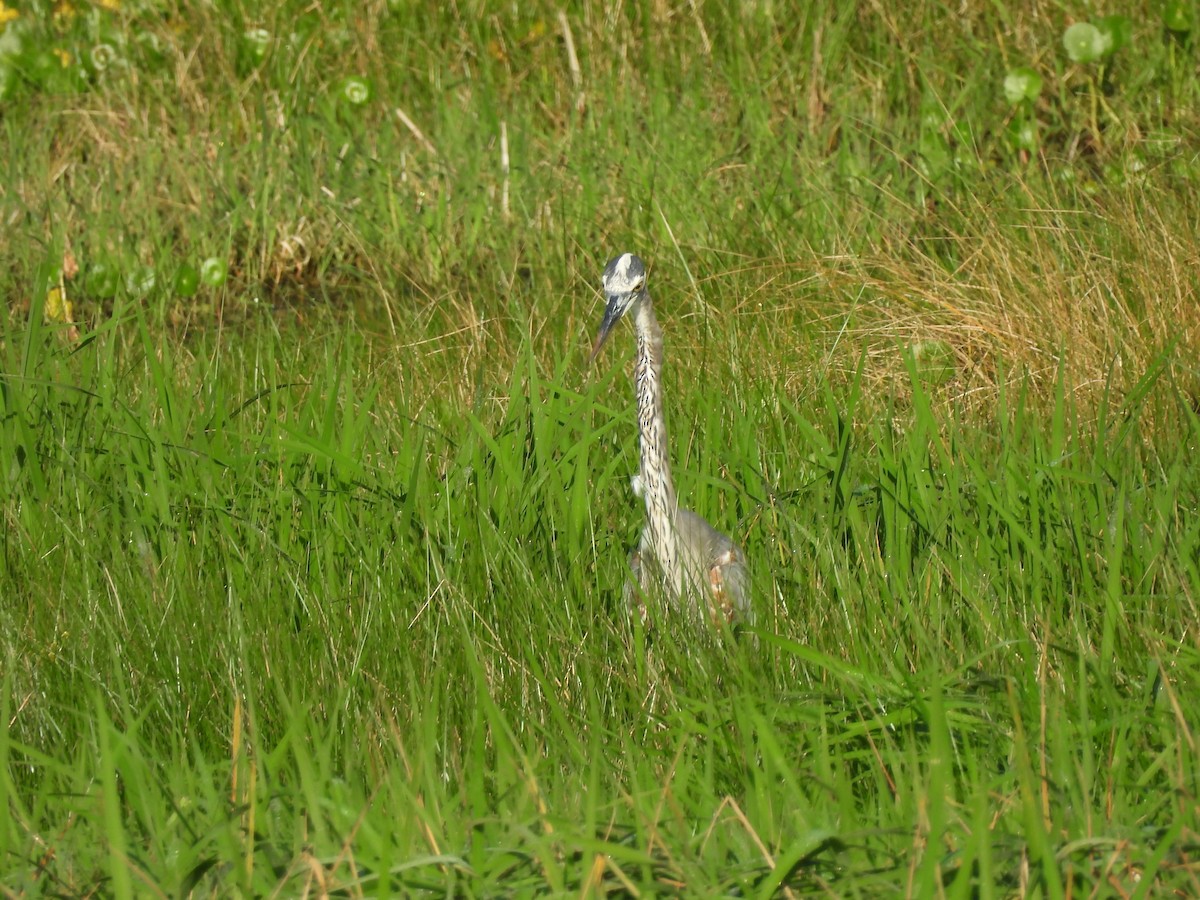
{"type": "Point", "coordinates": [695, 532]}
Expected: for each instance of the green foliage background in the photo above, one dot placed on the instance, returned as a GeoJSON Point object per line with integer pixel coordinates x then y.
{"type": "Point", "coordinates": [311, 578]}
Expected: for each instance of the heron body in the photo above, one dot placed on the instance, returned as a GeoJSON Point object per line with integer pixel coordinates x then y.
{"type": "Point", "coordinates": [695, 566]}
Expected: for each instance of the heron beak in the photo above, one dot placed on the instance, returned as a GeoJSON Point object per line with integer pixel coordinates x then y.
{"type": "Point", "coordinates": [612, 313]}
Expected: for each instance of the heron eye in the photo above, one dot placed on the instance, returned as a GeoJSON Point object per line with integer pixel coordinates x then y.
{"type": "Point", "coordinates": [637, 288]}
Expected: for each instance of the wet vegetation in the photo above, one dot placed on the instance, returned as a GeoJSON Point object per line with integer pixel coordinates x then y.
{"type": "Point", "coordinates": [315, 516]}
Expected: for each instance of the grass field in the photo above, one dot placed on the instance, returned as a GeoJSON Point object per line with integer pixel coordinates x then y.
{"type": "Point", "coordinates": [315, 516]}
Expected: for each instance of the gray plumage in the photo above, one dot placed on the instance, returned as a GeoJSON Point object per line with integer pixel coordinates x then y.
{"type": "Point", "coordinates": [694, 565]}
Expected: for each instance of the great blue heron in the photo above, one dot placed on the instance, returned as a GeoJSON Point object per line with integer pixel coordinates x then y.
{"type": "Point", "coordinates": [690, 562]}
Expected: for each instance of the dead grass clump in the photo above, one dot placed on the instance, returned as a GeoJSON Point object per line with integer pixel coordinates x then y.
{"type": "Point", "coordinates": [1096, 295]}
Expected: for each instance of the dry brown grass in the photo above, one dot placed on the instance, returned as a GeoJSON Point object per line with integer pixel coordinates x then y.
{"type": "Point", "coordinates": [1033, 299]}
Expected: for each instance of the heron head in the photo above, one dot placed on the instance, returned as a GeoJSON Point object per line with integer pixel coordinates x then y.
{"type": "Point", "coordinates": [624, 284]}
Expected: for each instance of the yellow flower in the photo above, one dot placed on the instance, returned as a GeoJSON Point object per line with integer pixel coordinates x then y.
{"type": "Point", "coordinates": [7, 14]}
{"type": "Point", "coordinates": [63, 56]}
{"type": "Point", "coordinates": [110, 4]}
{"type": "Point", "coordinates": [58, 307]}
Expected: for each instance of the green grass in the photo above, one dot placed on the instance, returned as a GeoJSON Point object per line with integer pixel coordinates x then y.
{"type": "Point", "coordinates": [311, 583]}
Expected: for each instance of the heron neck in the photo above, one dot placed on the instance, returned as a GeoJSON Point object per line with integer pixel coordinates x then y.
{"type": "Point", "coordinates": [658, 490]}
